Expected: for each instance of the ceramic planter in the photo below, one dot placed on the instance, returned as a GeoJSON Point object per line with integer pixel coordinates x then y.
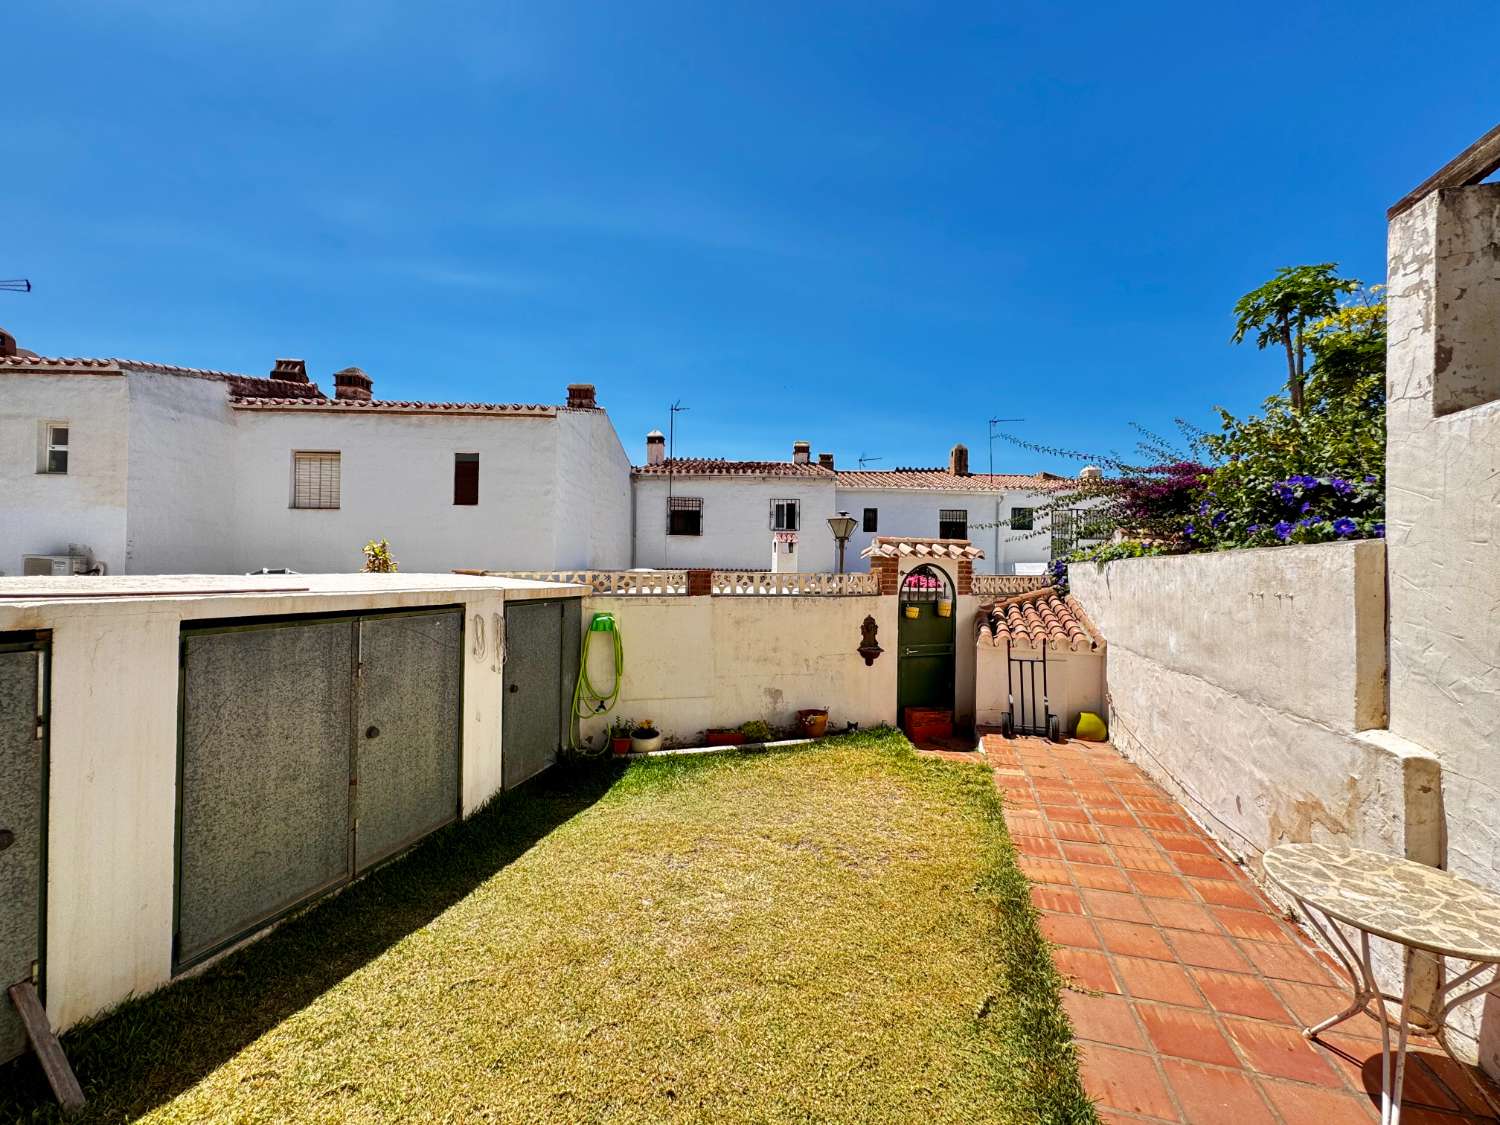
{"type": "Point", "coordinates": [813, 722]}
{"type": "Point", "coordinates": [644, 743]}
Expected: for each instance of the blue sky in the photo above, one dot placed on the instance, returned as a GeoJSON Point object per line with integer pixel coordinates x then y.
{"type": "Point", "coordinates": [871, 226]}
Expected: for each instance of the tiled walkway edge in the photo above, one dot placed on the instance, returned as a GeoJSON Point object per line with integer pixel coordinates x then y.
{"type": "Point", "coordinates": [1187, 989]}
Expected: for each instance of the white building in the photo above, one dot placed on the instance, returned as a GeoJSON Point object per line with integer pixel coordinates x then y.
{"type": "Point", "coordinates": [717, 513]}
{"type": "Point", "coordinates": [145, 468]}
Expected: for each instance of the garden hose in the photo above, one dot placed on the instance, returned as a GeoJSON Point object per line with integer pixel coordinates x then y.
{"type": "Point", "coordinates": [588, 701]}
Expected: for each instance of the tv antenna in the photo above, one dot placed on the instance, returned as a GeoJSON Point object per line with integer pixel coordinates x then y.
{"type": "Point", "coordinates": [15, 285]}
{"type": "Point", "coordinates": [863, 460]}
{"type": "Point", "coordinates": [993, 423]}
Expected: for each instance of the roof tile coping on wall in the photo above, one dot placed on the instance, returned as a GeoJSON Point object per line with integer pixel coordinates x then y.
{"type": "Point", "coordinates": [915, 546]}
{"type": "Point", "coordinates": [1039, 617]}
{"type": "Point", "coordinates": [719, 467]}
{"type": "Point", "coordinates": [259, 393]}
{"type": "Point", "coordinates": [943, 480]}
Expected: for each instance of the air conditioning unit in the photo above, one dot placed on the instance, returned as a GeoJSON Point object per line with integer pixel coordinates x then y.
{"type": "Point", "coordinates": [42, 565]}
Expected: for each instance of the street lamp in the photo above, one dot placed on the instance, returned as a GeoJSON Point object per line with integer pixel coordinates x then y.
{"type": "Point", "coordinates": [842, 526]}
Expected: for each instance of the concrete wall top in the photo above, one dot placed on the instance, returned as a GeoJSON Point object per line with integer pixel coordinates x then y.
{"type": "Point", "coordinates": [1300, 629]}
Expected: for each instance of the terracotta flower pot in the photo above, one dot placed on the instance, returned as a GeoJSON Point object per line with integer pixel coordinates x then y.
{"type": "Point", "coordinates": [813, 722]}
{"type": "Point", "coordinates": [725, 738]}
{"type": "Point", "coordinates": [621, 745]}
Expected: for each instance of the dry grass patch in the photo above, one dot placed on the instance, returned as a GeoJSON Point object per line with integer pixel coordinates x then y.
{"type": "Point", "coordinates": [834, 934]}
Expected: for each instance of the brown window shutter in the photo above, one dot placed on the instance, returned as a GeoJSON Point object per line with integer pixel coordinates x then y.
{"type": "Point", "coordinates": [466, 478]}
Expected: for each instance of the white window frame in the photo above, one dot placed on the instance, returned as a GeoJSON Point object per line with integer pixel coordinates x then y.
{"type": "Point", "coordinates": [778, 507]}
{"type": "Point", "coordinates": [46, 447]}
{"type": "Point", "coordinates": [323, 456]}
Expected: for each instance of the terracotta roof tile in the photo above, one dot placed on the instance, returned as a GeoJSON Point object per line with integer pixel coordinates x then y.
{"type": "Point", "coordinates": [391, 406]}
{"type": "Point", "coordinates": [718, 467]}
{"type": "Point", "coordinates": [942, 479]}
{"type": "Point", "coordinates": [1040, 617]}
{"type": "Point", "coordinates": [907, 546]}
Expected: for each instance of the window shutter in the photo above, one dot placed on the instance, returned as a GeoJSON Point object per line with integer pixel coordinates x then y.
{"type": "Point", "coordinates": [315, 480]}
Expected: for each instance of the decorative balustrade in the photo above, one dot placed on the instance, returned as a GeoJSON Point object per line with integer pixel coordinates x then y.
{"type": "Point", "coordinates": [624, 582]}
{"type": "Point", "coordinates": [1005, 585]}
{"type": "Point", "coordinates": [751, 583]}
{"type": "Point", "coordinates": [722, 583]}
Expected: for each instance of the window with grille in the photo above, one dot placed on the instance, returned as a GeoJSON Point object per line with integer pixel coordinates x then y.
{"type": "Point", "coordinates": [466, 478]}
{"type": "Point", "coordinates": [685, 515]}
{"type": "Point", "coordinates": [315, 480]}
{"type": "Point", "coordinates": [953, 523]}
{"type": "Point", "coordinates": [54, 457]}
{"type": "Point", "coordinates": [786, 515]}
{"type": "Point", "coordinates": [1022, 519]}
{"type": "Point", "coordinates": [872, 519]}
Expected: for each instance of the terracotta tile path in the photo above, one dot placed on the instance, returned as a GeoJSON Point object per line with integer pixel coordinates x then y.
{"type": "Point", "coordinates": [1189, 989]}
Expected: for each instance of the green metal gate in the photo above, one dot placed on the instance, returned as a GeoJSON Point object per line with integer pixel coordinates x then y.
{"type": "Point", "coordinates": [24, 692]}
{"type": "Point", "coordinates": [542, 642]}
{"type": "Point", "coordinates": [924, 634]}
{"type": "Point", "coordinates": [309, 749]}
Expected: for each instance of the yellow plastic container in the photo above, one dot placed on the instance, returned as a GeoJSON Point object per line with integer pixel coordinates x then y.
{"type": "Point", "coordinates": [913, 611]}
{"type": "Point", "coordinates": [1091, 728]}
{"type": "Point", "coordinates": [945, 608]}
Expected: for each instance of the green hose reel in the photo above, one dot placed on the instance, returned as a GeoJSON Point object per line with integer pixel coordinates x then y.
{"type": "Point", "coordinates": [588, 701]}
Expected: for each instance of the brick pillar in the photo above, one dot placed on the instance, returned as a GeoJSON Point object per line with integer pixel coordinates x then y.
{"type": "Point", "coordinates": [887, 573]}
{"type": "Point", "coordinates": [965, 576]}
{"type": "Point", "coordinates": [700, 583]}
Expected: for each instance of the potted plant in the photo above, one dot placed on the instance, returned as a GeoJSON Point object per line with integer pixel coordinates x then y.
{"type": "Point", "coordinates": [945, 607]}
{"type": "Point", "coordinates": [645, 737]}
{"type": "Point", "coordinates": [813, 722]}
{"type": "Point", "coordinates": [756, 730]}
{"type": "Point", "coordinates": [724, 736]}
{"type": "Point", "coordinates": [619, 735]}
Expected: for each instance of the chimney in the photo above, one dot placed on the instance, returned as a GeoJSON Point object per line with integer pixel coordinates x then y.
{"type": "Point", "coordinates": [656, 447]}
{"type": "Point", "coordinates": [826, 460]}
{"type": "Point", "coordinates": [290, 371]}
{"type": "Point", "coordinates": [1091, 472]}
{"type": "Point", "coordinates": [581, 396]}
{"type": "Point", "coordinates": [801, 452]}
{"type": "Point", "coordinates": [958, 460]}
{"type": "Point", "coordinates": [352, 385]}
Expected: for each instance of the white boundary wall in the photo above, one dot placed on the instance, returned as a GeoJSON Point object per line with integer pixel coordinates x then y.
{"type": "Point", "coordinates": [113, 748]}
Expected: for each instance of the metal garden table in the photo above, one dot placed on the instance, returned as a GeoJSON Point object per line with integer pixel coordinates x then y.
{"type": "Point", "coordinates": [1362, 894]}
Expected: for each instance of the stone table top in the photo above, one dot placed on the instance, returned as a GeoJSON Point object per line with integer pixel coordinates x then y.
{"type": "Point", "coordinates": [1408, 902]}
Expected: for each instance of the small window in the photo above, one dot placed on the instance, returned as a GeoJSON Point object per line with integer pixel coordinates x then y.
{"type": "Point", "coordinates": [953, 523]}
{"type": "Point", "coordinates": [54, 458]}
{"type": "Point", "coordinates": [466, 478]}
{"type": "Point", "coordinates": [872, 519]}
{"type": "Point", "coordinates": [315, 480]}
{"type": "Point", "coordinates": [1022, 519]}
{"type": "Point", "coordinates": [786, 515]}
{"type": "Point", "coordinates": [685, 515]}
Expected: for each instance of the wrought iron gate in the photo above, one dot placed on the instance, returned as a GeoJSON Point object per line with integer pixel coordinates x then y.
{"type": "Point", "coordinates": [24, 694]}
{"type": "Point", "coordinates": [309, 749]}
{"type": "Point", "coordinates": [1029, 713]}
{"type": "Point", "coordinates": [542, 642]}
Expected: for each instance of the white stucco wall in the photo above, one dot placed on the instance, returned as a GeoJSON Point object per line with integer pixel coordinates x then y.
{"type": "Point", "coordinates": [1243, 680]}
{"type": "Point", "coordinates": [113, 751]}
{"type": "Point", "coordinates": [915, 513]}
{"type": "Point", "coordinates": [181, 484]}
{"type": "Point", "coordinates": [700, 662]}
{"type": "Point", "coordinates": [42, 513]}
{"type": "Point", "coordinates": [1443, 521]}
{"type": "Point", "coordinates": [397, 484]}
{"type": "Point", "coordinates": [736, 523]}
{"type": "Point", "coordinates": [591, 523]}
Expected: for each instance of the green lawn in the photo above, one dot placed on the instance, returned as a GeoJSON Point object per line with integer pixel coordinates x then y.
{"type": "Point", "coordinates": [830, 934]}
